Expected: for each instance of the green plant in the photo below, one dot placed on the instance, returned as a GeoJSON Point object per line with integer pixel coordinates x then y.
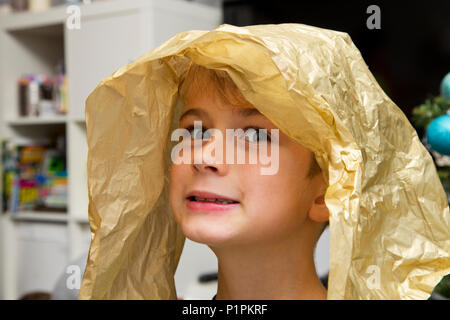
{"type": "Point", "coordinates": [434, 107]}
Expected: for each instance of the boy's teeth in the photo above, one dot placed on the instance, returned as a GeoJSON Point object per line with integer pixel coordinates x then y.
{"type": "Point", "coordinates": [214, 200]}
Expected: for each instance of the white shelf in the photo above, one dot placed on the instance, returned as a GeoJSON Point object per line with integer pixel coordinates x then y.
{"type": "Point", "coordinates": [57, 15]}
{"type": "Point", "coordinates": [79, 119]}
{"type": "Point", "coordinates": [33, 20]}
{"type": "Point", "coordinates": [36, 120]}
{"type": "Point", "coordinates": [39, 216]}
{"type": "Point", "coordinates": [79, 219]}
{"type": "Point", "coordinates": [23, 121]}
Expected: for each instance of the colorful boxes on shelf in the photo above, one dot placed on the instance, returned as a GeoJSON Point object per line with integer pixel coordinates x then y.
{"type": "Point", "coordinates": [35, 178]}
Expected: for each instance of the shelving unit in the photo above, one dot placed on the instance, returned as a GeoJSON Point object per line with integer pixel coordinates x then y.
{"type": "Point", "coordinates": [39, 216]}
{"type": "Point", "coordinates": [35, 120]}
{"type": "Point", "coordinates": [112, 34]}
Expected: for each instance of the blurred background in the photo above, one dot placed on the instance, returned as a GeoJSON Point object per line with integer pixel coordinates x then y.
{"type": "Point", "coordinates": [53, 53]}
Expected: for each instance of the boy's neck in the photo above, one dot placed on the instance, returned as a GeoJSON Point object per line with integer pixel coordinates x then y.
{"type": "Point", "coordinates": [268, 273]}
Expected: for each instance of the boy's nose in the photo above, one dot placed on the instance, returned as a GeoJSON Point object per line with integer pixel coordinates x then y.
{"type": "Point", "coordinates": [209, 167]}
{"type": "Point", "coordinates": [209, 162]}
{"type": "Point", "coordinates": [205, 167]}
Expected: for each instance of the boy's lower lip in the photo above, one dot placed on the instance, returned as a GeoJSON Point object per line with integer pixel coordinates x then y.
{"type": "Point", "coordinates": [209, 206]}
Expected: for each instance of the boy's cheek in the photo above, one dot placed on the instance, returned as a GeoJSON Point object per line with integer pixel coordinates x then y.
{"type": "Point", "coordinates": [177, 173]}
{"type": "Point", "coordinates": [175, 187]}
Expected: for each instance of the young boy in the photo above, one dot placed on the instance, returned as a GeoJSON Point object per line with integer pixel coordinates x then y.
{"type": "Point", "coordinates": [378, 186]}
{"type": "Point", "coordinates": [265, 243]}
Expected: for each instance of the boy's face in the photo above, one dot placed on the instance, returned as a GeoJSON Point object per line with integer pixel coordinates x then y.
{"type": "Point", "coordinates": [270, 207]}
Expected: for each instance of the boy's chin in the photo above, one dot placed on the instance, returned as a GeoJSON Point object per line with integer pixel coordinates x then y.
{"type": "Point", "coordinates": [210, 237]}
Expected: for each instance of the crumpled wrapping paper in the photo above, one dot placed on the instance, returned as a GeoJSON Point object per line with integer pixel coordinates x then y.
{"type": "Point", "coordinates": [389, 216]}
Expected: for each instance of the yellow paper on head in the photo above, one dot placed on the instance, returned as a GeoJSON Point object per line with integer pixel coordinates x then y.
{"type": "Point", "coordinates": [389, 216]}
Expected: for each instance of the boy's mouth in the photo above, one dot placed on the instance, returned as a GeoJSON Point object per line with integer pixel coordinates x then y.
{"type": "Point", "coordinates": [214, 200]}
{"type": "Point", "coordinates": [203, 200]}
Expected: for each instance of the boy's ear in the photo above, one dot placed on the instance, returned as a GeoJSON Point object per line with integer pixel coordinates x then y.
{"type": "Point", "coordinates": [319, 211]}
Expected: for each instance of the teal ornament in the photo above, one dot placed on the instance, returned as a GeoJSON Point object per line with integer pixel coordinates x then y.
{"type": "Point", "coordinates": [445, 87]}
{"type": "Point", "coordinates": [438, 134]}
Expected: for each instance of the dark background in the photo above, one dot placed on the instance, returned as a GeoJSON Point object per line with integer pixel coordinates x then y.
{"type": "Point", "coordinates": [409, 55]}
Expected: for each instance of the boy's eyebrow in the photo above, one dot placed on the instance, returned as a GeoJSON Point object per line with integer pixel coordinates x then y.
{"type": "Point", "coordinates": [246, 112]}
{"type": "Point", "coordinates": [194, 112]}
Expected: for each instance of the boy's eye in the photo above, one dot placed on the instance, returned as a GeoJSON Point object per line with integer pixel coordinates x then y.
{"type": "Point", "coordinates": [253, 134]}
{"type": "Point", "coordinates": [198, 133]}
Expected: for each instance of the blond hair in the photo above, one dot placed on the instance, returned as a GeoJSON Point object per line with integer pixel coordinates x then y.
{"type": "Point", "coordinates": [199, 78]}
